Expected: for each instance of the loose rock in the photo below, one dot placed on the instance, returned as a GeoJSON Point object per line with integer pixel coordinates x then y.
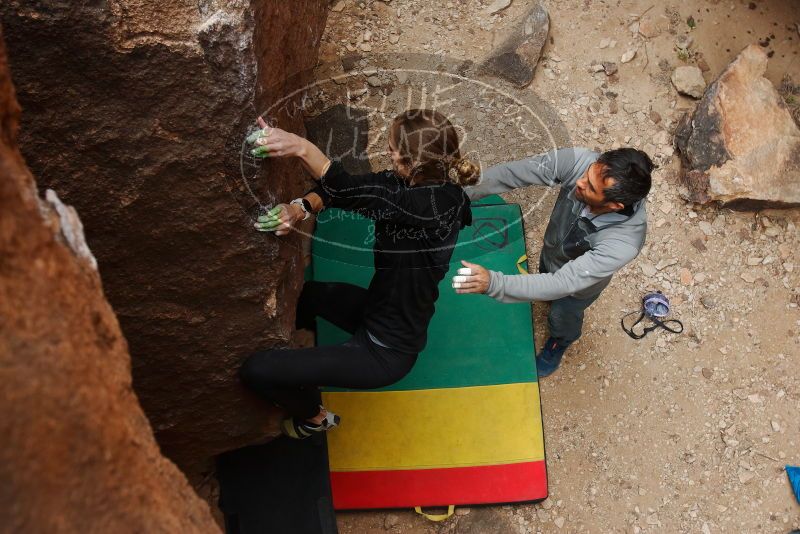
{"type": "Point", "coordinates": [699, 245]}
{"type": "Point", "coordinates": [688, 80]}
{"type": "Point", "coordinates": [708, 302]}
{"type": "Point", "coordinates": [647, 269]}
{"type": "Point", "coordinates": [649, 28]}
{"type": "Point", "coordinates": [654, 116]}
{"type": "Point", "coordinates": [390, 520]}
{"type": "Point", "coordinates": [684, 41]}
{"type": "Point", "coordinates": [628, 56]}
{"type": "Point", "coordinates": [497, 6]}
{"type": "Point", "coordinates": [516, 59]}
{"type": "Point", "coordinates": [666, 262]}
{"type": "Point", "coordinates": [609, 67]}
{"type": "Point", "coordinates": [706, 228]}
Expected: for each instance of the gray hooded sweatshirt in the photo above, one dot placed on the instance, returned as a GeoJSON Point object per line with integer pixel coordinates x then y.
{"type": "Point", "coordinates": [579, 254]}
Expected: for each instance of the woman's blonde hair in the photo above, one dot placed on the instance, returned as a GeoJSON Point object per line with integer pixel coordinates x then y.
{"type": "Point", "coordinates": [429, 147]}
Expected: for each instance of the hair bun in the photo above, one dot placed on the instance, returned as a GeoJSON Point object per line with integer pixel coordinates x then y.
{"type": "Point", "coordinates": [464, 172]}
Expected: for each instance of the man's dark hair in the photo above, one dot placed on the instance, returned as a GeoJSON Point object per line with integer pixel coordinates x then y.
{"type": "Point", "coordinates": [630, 169]}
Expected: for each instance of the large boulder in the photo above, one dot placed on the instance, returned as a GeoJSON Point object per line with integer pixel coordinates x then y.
{"type": "Point", "coordinates": [516, 58]}
{"type": "Point", "coordinates": [741, 147]}
{"type": "Point", "coordinates": [134, 113]}
{"type": "Point", "coordinates": [77, 453]}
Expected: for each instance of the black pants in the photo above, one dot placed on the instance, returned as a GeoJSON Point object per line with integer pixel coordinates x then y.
{"type": "Point", "coordinates": [290, 377]}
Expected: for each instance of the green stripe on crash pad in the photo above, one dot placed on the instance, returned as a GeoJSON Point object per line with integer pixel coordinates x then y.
{"type": "Point", "coordinates": [465, 328]}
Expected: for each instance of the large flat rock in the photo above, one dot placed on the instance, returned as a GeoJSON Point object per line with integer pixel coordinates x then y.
{"type": "Point", "coordinates": [741, 147]}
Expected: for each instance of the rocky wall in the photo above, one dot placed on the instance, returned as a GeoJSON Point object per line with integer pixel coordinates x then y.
{"type": "Point", "coordinates": [134, 112]}
{"type": "Point", "coordinates": [77, 453]}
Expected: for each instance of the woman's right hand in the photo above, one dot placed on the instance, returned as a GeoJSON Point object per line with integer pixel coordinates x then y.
{"type": "Point", "coordinates": [280, 219]}
{"type": "Point", "coordinates": [276, 143]}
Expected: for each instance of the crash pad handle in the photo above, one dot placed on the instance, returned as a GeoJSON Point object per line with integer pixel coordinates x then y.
{"type": "Point", "coordinates": [522, 259]}
{"type": "Point", "coordinates": [436, 517]}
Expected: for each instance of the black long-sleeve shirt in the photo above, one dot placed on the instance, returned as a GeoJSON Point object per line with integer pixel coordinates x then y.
{"type": "Point", "coordinates": [416, 228]}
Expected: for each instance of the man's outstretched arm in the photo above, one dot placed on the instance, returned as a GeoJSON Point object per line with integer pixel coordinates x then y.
{"type": "Point", "coordinates": [576, 275]}
{"type": "Point", "coordinates": [556, 167]}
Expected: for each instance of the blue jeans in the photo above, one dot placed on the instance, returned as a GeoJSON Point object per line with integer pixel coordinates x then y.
{"type": "Point", "coordinates": [565, 319]}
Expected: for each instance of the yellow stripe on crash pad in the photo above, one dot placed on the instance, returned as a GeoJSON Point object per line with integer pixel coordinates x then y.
{"type": "Point", "coordinates": [435, 428]}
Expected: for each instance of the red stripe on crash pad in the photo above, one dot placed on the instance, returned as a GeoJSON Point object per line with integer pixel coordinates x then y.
{"type": "Point", "coordinates": [436, 487]}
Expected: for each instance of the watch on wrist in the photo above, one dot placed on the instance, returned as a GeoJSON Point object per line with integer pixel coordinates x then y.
{"type": "Point", "coordinates": [305, 205]}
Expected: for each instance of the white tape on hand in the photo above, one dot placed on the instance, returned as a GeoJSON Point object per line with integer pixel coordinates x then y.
{"type": "Point", "coordinates": [456, 285]}
{"type": "Point", "coordinates": [460, 279]}
{"type": "Point", "coordinates": [465, 270]}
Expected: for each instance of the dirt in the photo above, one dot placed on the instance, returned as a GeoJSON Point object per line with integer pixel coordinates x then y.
{"type": "Point", "coordinates": [673, 433]}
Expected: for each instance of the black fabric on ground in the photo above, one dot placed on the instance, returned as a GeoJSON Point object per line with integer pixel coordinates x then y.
{"type": "Point", "coordinates": [282, 487]}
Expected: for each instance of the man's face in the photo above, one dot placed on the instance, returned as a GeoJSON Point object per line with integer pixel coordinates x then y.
{"type": "Point", "coordinates": [589, 188]}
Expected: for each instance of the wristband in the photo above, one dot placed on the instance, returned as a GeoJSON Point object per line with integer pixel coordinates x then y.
{"type": "Point", "coordinates": [305, 205]}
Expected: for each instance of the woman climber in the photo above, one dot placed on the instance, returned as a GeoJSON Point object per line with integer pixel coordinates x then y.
{"type": "Point", "coordinates": [418, 207]}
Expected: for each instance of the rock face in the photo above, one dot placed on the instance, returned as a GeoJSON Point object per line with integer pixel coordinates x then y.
{"type": "Point", "coordinates": [516, 59]}
{"type": "Point", "coordinates": [135, 113]}
{"type": "Point", "coordinates": [77, 453]}
{"type": "Point", "coordinates": [741, 146]}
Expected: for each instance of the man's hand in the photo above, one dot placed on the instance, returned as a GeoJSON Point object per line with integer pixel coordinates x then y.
{"type": "Point", "coordinates": [471, 278]}
{"type": "Point", "coordinates": [274, 143]}
{"type": "Point", "coordinates": [280, 219]}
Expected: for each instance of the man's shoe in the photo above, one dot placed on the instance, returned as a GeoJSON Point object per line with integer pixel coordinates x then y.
{"type": "Point", "coordinates": [548, 360]}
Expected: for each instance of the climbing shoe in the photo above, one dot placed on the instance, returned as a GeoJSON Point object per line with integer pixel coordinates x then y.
{"type": "Point", "coordinates": [548, 360]}
{"type": "Point", "coordinates": [299, 429]}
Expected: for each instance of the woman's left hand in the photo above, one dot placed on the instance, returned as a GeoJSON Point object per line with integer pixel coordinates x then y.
{"type": "Point", "coordinates": [275, 143]}
{"type": "Point", "coordinates": [280, 219]}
